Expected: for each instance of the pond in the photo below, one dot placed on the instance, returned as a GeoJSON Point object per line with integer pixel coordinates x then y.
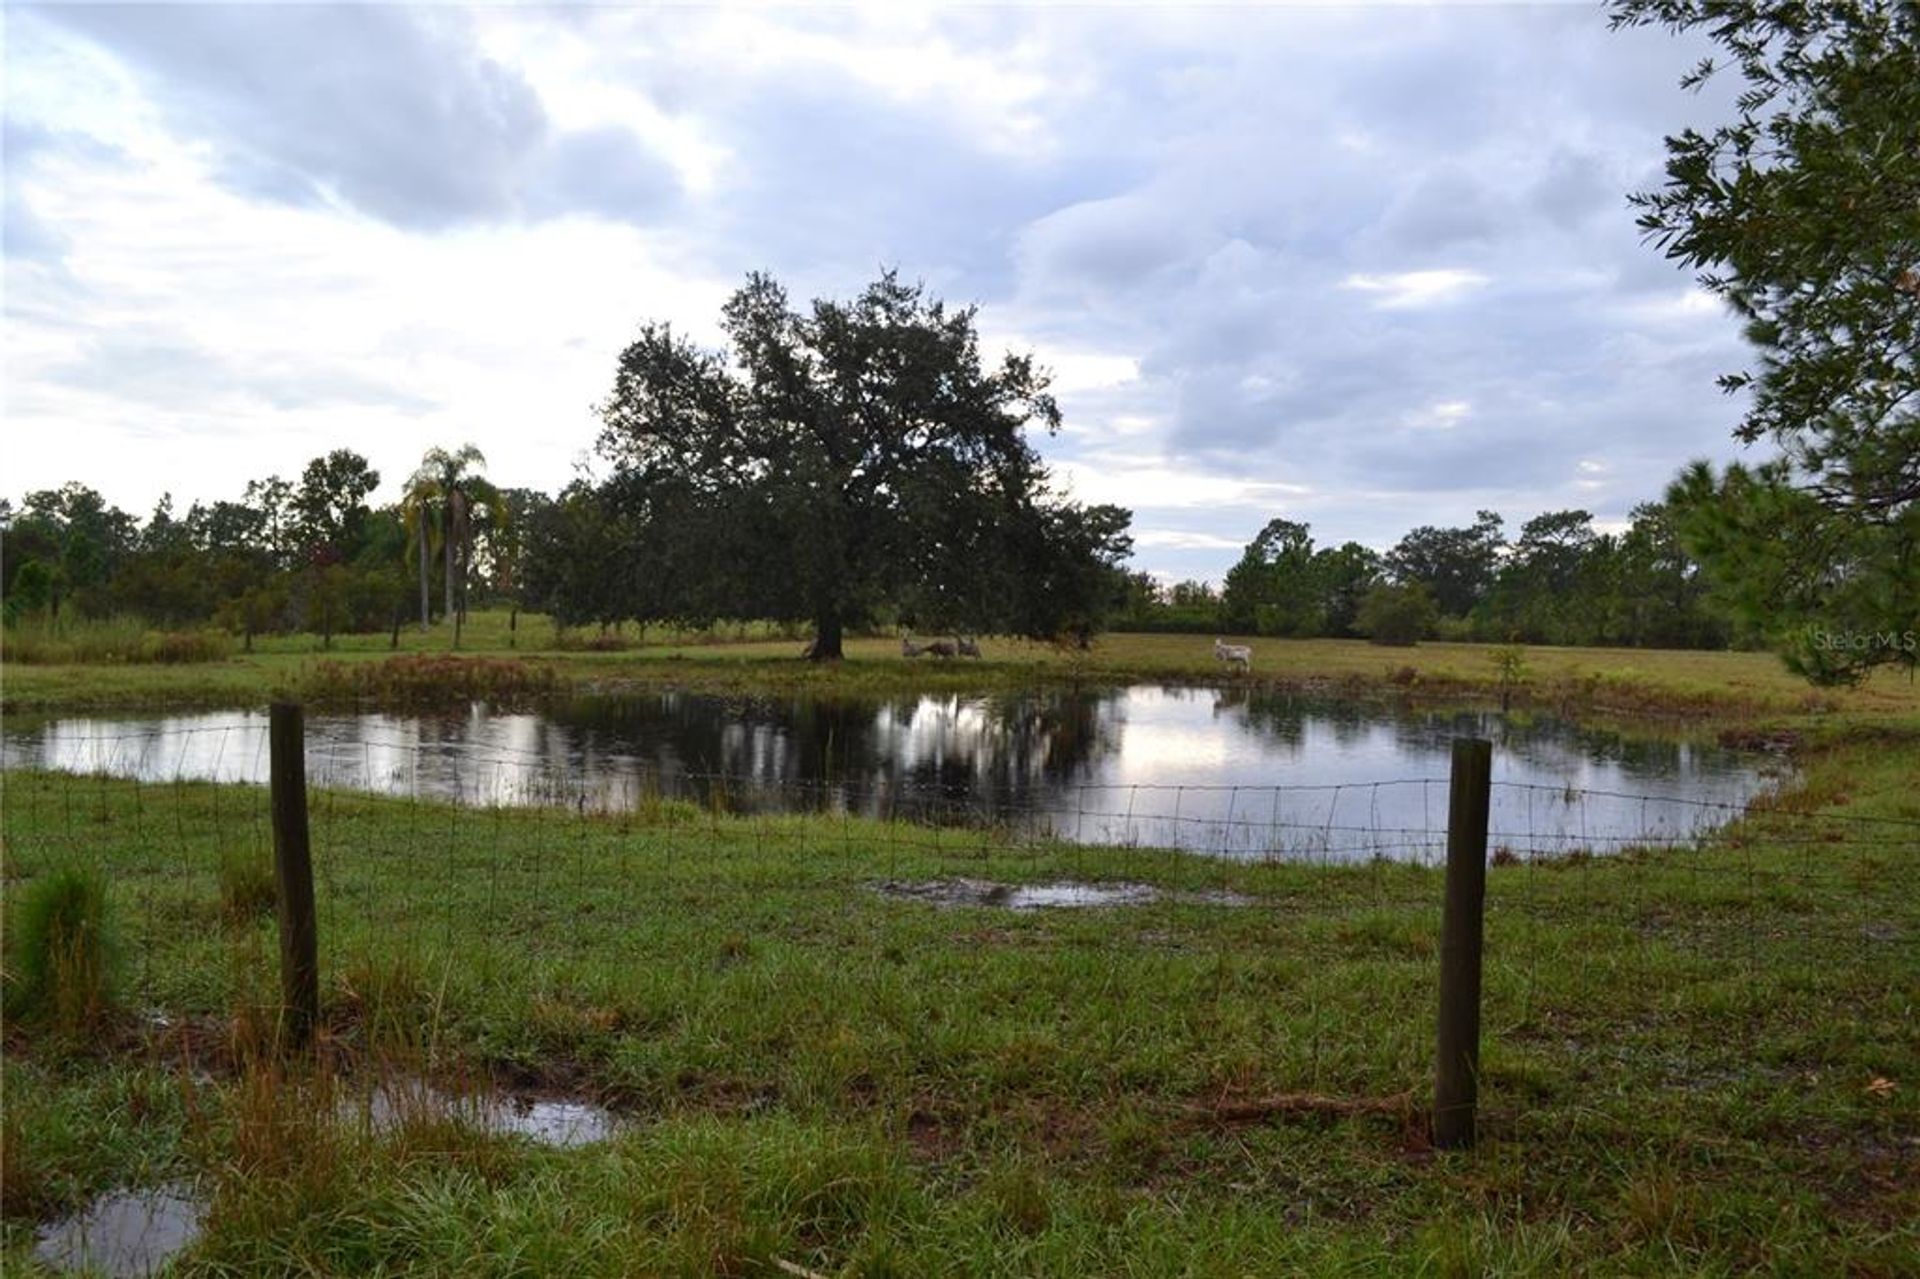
{"type": "Point", "coordinates": [1234, 771]}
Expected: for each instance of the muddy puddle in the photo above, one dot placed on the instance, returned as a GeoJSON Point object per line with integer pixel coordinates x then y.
{"type": "Point", "coordinates": [548, 1121]}
{"type": "Point", "coordinates": [124, 1232]}
{"type": "Point", "coordinates": [982, 892]}
{"type": "Point", "coordinates": [138, 1232]}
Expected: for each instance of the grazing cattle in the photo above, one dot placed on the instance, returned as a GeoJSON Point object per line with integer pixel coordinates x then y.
{"type": "Point", "coordinates": [1233, 654]}
{"type": "Point", "coordinates": [943, 648]}
{"type": "Point", "coordinates": [908, 648]}
{"type": "Point", "coordinates": [967, 647]}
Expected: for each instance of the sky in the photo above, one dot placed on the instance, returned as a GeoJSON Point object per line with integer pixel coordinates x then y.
{"type": "Point", "coordinates": [1364, 267]}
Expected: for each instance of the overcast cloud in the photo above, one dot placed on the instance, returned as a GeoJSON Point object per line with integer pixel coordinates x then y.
{"type": "Point", "coordinates": [1365, 267]}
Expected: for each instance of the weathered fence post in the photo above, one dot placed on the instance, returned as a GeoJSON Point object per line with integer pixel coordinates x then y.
{"type": "Point", "coordinates": [1456, 1091]}
{"type": "Point", "coordinates": [293, 872]}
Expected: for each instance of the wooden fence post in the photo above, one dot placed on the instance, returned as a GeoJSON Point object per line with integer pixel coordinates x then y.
{"type": "Point", "coordinates": [1456, 1092]}
{"type": "Point", "coordinates": [293, 873]}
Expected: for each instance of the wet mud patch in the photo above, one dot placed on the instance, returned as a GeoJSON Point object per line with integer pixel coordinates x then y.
{"type": "Point", "coordinates": [549, 1121]}
{"type": "Point", "coordinates": [1067, 894]}
{"type": "Point", "coordinates": [124, 1232]}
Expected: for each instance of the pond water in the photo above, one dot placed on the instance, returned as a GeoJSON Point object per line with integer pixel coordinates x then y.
{"type": "Point", "coordinates": [1232, 771]}
{"type": "Point", "coordinates": [123, 1232]}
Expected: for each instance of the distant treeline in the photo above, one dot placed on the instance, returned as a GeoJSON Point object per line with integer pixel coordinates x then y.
{"type": "Point", "coordinates": [303, 555]}
{"type": "Point", "coordinates": [312, 555]}
{"type": "Point", "coordinates": [1559, 582]}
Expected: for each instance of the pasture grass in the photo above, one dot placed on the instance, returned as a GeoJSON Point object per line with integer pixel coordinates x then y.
{"type": "Point", "coordinates": [1583, 681]}
{"type": "Point", "coordinates": [62, 951]}
{"type": "Point", "coordinates": [114, 641]}
{"type": "Point", "coordinates": [1703, 1060]}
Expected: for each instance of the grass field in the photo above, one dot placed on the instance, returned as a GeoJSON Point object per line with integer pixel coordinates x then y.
{"type": "Point", "coordinates": [1629, 682]}
{"type": "Point", "coordinates": [1695, 1061]}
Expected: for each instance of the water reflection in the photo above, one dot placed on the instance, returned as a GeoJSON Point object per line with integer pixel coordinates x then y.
{"type": "Point", "coordinates": [1232, 771]}
{"type": "Point", "coordinates": [123, 1232]}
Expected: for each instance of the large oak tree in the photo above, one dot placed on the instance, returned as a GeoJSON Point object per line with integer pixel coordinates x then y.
{"type": "Point", "coordinates": [843, 457]}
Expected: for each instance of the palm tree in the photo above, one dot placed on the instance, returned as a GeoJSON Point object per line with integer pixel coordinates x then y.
{"type": "Point", "coordinates": [448, 486]}
{"type": "Point", "coordinates": [419, 508]}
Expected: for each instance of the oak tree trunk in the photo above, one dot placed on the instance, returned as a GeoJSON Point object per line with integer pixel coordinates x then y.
{"type": "Point", "coordinates": [827, 640]}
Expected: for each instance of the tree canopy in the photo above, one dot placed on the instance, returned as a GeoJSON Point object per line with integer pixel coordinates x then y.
{"type": "Point", "coordinates": [1561, 581]}
{"type": "Point", "coordinates": [1457, 565]}
{"type": "Point", "coordinates": [1802, 212]}
{"type": "Point", "coordinates": [849, 457]}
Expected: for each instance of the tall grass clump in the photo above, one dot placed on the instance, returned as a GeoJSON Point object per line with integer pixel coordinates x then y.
{"type": "Point", "coordinates": [247, 886]}
{"type": "Point", "coordinates": [64, 956]}
{"type": "Point", "coordinates": [112, 641]}
{"type": "Point", "coordinates": [430, 680]}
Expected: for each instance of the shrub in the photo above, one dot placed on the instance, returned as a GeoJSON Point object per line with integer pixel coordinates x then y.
{"type": "Point", "coordinates": [64, 956]}
{"type": "Point", "coordinates": [1510, 668]}
{"type": "Point", "coordinates": [1396, 615]}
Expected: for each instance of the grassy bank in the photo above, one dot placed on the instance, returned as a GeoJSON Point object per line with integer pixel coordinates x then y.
{"type": "Point", "coordinates": [1698, 1061]}
{"type": "Point", "coordinates": [1613, 682]}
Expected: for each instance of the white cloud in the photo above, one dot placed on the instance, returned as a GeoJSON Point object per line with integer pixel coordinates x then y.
{"type": "Point", "coordinates": [1140, 482]}
{"type": "Point", "coordinates": [1416, 288]}
{"type": "Point", "coordinates": [1368, 268]}
{"type": "Point", "coordinates": [1184, 540]}
{"type": "Point", "coordinates": [1440, 415]}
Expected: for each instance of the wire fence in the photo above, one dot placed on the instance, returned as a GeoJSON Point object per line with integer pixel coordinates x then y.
{"type": "Point", "coordinates": [514, 879]}
{"type": "Point", "coordinates": [1402, 819]}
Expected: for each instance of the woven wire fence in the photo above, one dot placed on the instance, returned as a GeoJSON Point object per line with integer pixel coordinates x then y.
{"type": "Point", "coordinates": [499, 870]}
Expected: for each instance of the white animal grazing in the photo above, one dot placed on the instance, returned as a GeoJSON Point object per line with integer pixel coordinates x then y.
{"type": "Point", "coordinates": [1233, 654]}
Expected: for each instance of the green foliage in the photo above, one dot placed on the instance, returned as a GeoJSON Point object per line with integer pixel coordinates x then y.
{"type": "Point", "coordinates": [1802, 212]}
{"type": "Point", "coordinates": [1189, 607]}
{"type": "Point", "coordinates": [332, 500]}
{"type": "Point", "coordinates": [30, 592]}
{"type": "Point", "coordinates": [63, 956]}
{"type": "Point", "coordinates": [1283, 586]}
{"type": "Point", "coordinates": [1538, 594]}
{"type": "Point", "coordinates": [1835, 598]}
{"type": "Point", "coordinates": [283, 557]}
{"type": "Point", "coordinates": [1397, 615]}
{"type": "Point", "coordinates": [582, 561]}
{"type": "Point", "coordinates": [1270, 591]}
{"type": "Point", "coordinates": [838, 460]}
{"type": "Point", "coordinates": [1343, 575]}
{"type": "Point", "coordinates": [1561, 582]}
{"type": "Point", "coordinates": [1509, 663]}
{"type": "Point", "coordinates": [447, 501]}
{"type": "Point", "coordinates": [1456, 565]}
